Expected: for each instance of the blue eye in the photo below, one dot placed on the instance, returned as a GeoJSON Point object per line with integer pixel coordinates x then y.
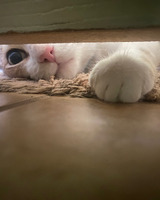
{"type": "Point", "coordinates": [15, 56]}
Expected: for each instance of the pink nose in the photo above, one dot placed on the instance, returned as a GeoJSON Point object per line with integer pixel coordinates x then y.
{"type": "Point", "coordinates": [47, 55]}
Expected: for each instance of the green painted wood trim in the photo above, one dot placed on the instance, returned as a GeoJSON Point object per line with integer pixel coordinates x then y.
{"type": "Point", "coordinates": [40, 15]}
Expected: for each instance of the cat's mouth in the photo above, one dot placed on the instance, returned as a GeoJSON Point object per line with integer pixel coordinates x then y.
{"type": "Point", "coordinates": [62, 68]}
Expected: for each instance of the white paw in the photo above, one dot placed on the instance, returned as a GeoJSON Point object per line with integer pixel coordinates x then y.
{"type": "Point", "coordinates": [122, 78]}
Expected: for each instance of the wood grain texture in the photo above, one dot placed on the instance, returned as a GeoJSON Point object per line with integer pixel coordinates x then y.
{"type": "Point", "coordinates": [73, 149]}
{"type": "Point", "coordinates": [118, 35]}
{"type": "Point", "coordinates": [40, 15]}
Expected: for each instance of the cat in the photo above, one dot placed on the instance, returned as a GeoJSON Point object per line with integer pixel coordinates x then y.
{"type": "Point", "coordinates": [119, 72]}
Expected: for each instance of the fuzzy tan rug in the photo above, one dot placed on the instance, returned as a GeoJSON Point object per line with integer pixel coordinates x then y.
{"type": "Point", "coordinates": [77, 87]}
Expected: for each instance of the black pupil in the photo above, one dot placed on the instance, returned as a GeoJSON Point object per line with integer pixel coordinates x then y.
{"type": "Point", "coordinates": [15, 57]}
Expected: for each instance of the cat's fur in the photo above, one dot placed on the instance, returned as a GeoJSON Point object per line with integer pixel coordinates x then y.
{"type": "Point", "coordinates": [121, 72]}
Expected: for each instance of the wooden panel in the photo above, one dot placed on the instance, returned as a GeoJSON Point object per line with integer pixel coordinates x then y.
{"type": "Point", "coordinates": [7, 99]}
{"type": "Point", "coordinates": [66, 148]}
{"type": "Point", "coordinates": [40, 15]}
{"type": "Point", "coordinates": [147, 34]}
{"type": "Point", "coordinates": [13, 100]}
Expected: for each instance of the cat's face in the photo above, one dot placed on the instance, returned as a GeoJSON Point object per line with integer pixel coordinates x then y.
{"type": "Point", "coordinates": [35, 61]}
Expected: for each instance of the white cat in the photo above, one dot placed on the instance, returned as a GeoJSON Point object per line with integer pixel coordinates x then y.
{"type": "Point", "coordinates": [121, 72]}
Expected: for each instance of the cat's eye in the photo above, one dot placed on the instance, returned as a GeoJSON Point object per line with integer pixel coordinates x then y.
{"type": "Point", "coordinates": [15, 56]}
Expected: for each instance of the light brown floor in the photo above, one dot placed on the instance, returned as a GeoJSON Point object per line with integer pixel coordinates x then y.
{"type": "Point", "coordinates": [60, 148]}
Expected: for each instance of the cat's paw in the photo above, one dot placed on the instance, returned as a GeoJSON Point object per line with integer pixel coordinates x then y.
{"type": "Point", "coordinates": [122, 78]}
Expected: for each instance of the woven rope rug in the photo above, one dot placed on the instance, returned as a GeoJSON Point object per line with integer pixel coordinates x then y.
{"type": "Point", "coordinates": [77, 87]}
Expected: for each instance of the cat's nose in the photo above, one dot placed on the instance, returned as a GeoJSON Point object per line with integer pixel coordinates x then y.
{"type": "Point", "coordinates": [47, 55]}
